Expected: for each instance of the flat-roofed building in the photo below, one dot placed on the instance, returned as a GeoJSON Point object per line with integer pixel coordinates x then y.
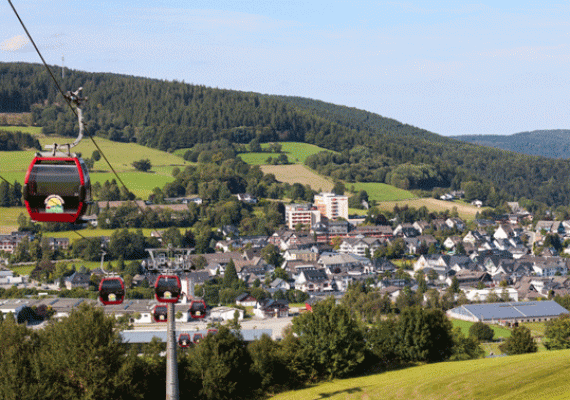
{"type": "Point", "coordinates": [332, 206]}
{"type": "Point", "coordinates": [511, 312]}
{"type": "Point", "coordinates": [304, 214]}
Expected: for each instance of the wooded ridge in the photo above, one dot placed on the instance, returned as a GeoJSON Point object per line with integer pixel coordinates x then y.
{"type": "Point", "coordinates": [173, 115]}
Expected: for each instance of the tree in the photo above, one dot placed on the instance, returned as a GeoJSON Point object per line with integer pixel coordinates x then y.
{"type": "Point", "coordinates": [268, 366]}
{"type": "Point", "coordinates": [95, 156]}
{"type": "Point", "coordinates": [329, 339]}
{"type": "Point", "coordinates": [272, 255]}
{"type": "Point", "coordinates": [454, 287]}
{"type": "Point", "coordinates": [230, 275]}
{"type": "Point", "coordinates": [18, 361]}
{"type": "Point", "coordinates": [83, 357]}
{"type": "Point", "coordinates": [143, 165]}
{"type": "Point", "coordinates": [519, 342]}
{"type": "Point", "coordinates": [222, 365]}
{"type": "Point", "coordinates": [481, 331]}
{"type": "Point", "coordinates": [255, 146]}
{"type": "Point", "coordinates": [338, 188]}
{"type": "Point", "coordinates": [557, 333]}
{"type": "Point", "coordinates": [172, 236]}
{"type": "Point", "coordinates": [465, 348]}
{"type": "Point", "coordinates": [423, 335]}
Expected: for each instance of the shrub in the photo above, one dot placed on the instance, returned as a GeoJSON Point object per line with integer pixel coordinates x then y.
{"type": "Point", "coordinates": [481, 331]}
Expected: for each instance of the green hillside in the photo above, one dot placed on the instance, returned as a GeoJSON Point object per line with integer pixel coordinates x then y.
{"type": "Point", "coordinates": [370, 148]}
{"type": "Point", "coordinates": [541, 375]}
{"type": "Point", "coordinates": [14, 164]}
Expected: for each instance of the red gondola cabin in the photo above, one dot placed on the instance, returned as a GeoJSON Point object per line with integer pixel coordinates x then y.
{"type": "Point", "coordinates": [57, 189]}
{"type": "Point", "coordinates": [197, 338]}
{"type": "Point", "coordinates": [184, 340]}
{"type": "Point", "coordinates": [197, 309]}
{"type": "Point", "coordinates": [167, 289]}
{"type": "Point", "coordinates": [160, 313]}
{"type": "Point", "coordinates": [111, 290]}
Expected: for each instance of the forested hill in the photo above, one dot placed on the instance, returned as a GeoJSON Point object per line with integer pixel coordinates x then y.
{"type": "Point", "coordinates": [550, 143]}
{"type": "Point", "coordinates": [171, 115]}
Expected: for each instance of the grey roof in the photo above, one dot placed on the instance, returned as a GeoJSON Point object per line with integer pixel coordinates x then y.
{"type": "Point", "coordinates": [511, 310]}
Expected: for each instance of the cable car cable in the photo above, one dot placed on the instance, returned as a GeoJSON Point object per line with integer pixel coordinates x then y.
{"type": "Point", "coordinates": [11, 184]}
{"type": "Point", "coordinates": [80, 234]}
{"type": "Point", "coordinates": [63, 94]}
{"type": "Point", "coordinates": [73, 109]}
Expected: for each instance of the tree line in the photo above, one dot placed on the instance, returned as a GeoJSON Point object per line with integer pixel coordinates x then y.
{"type": "Point", "coordinates": [83, 357]}
{"type": "Point", "coordinates": [12, 141]}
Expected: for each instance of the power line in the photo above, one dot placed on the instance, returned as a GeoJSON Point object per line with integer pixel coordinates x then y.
{"type": "Point", "coordinates": [73, 109]}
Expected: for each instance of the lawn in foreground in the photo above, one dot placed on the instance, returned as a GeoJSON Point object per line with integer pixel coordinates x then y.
{"type": "Point", "coordinates": [541, 375]}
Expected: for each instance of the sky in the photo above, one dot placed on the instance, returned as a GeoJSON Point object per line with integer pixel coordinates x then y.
{"type": "Point", "coordinates": [451, 67]}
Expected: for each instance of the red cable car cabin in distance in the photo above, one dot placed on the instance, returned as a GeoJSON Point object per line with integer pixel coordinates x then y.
{"type": "Point", "coordinates": [57, 189]}
{"type": "Point", "coordinates": [197, 338]}
{"type": "Point", "coordinates": [111, 290]}
{"type": "Point", "coordinates": [167, 288]}
{"type": "Point", "coordinates": [184, 340]}
{"type": "Point", "coordinates": [197, 309]}
{"type": "Point", "coordinates": [160, 313]}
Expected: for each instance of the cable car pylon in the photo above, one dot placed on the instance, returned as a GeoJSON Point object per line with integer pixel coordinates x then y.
{"type": "Point", "coordinates": [170, 262]}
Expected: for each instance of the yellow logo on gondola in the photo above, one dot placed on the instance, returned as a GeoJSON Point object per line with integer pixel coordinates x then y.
{"type": "Point", "coordinates": [167, 295]}
{"type": "Point", "coordinates": [54, 204]}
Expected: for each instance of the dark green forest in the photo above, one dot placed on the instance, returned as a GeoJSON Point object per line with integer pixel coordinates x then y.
{"type": "Point", "coordinates": [11, 141]}
{"type": "Point", "coordinates": [173, 115]}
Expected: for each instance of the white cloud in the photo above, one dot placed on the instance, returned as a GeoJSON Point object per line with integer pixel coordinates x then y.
{"type": "Point", "coordinates": [14, 43]}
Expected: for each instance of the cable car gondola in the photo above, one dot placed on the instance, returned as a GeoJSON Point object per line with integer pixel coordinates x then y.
{"type": "Point", "coordinates": [160, 313]}
{"type": "Point", "coordinates": [167, 289]}
{"type": "Point", "coordinates": [184, 340]}
{"type": "Point", "coordinates": [197, 338]}
{"type": "Point", "coordinates": [197, 309]}
{"type": "Point", "coordinates": [57, 188]}
{"type": "Point", "coordinates": [111, 290]}
{"type": "Point", "coordinates": [212, 331]}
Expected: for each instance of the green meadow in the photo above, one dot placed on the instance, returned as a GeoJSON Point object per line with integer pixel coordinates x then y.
{"type": "Point", "coordinates": [542, 375]}
{"type": "Point", "coordinates": [14, 164]}
{"type": "Point", "coordinates": [500, 332]}
{"type": "Point", "coordinates": [295, 152]}
{"type": "Point", "coordinates": [381, 191]}
{"type": "Point", "coordinates": [9, 218]}
{"type": "Point", "coordinates": [32, 130]}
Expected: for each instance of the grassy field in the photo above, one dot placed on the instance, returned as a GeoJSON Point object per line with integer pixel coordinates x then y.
{"type": "Point", "coordinates": [382, 192]}
{"type": "Point", "coordinates": [531, 376]}
{"type": "Point", "coordinates": [14, 164]}
{"type": "Point", "coordinates": [465, 211]}
{"type": "Point", "coordinates": [9, 219]}
{"type": "Point", "coordinates": [295, 152]}
{"type": "Point", "coordinates": [92, 233]}
{"type": "Point", "coordinates": [297, 173]}
{"type": "Point", "coordinates": [32, 130]}
{"type": "Point", "coordinates": [500, 332]}
{"type": "Point", "coordinates": [23, 269]}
